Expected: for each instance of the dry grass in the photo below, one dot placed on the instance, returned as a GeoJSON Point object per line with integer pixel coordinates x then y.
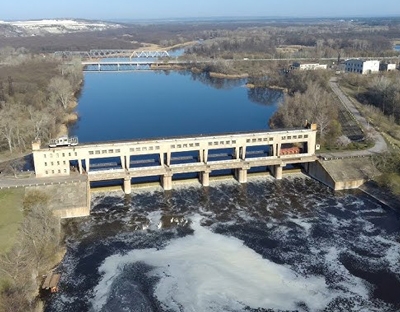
{"type": "Point", "coordinates": [11, 216]}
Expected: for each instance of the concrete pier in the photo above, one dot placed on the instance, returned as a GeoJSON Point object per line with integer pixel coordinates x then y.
{"type": "Point", "coordinates": [127, 185]}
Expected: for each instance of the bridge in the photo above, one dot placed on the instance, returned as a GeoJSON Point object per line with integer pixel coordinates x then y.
{"type": "Point", "coordinates": [127, 65]}
{"type": "Point", "coordinates": [100, 53]}
{"type": "Point", "coordinates": [168, 158]}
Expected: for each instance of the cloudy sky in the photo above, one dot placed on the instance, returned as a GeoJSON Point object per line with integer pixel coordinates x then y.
{"type": "Point", "coordinates": [141, 9]}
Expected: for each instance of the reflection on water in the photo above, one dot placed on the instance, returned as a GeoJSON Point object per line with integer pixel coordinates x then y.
{"type": "Point", "coordinates": [290, 245]}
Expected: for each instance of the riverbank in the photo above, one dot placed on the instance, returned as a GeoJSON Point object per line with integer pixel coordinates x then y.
{"type": "Point", "coordinates": [382, 195]}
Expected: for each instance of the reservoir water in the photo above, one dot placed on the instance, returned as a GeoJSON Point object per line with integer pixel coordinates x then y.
{"type": "Point", "coordinates": [289, 245]}
{"type": "Point", "coordinates": [145, 104]}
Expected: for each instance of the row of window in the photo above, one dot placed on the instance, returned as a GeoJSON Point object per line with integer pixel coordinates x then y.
{"type": "Point", "coordinates": [57, 155]}
{"type": "Point", "coordinates": [109, 151]}
{"type": "Point", "coordinates": [53, 171]}
{"type": "Point", "coordinates": [355, 71]}
{"type": "Point", "coordinates": [52, 163]}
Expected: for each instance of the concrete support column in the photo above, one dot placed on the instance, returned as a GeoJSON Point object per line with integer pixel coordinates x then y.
{"type": "Point", "coordinates": [122, 158]}
{"type": "Point", "coordinates": [237, 152]}
{"type": "Point", "coordinates": [241, 175]}
{"type": "Point", "coordinates": [87, 162]}
{"type": "Point", "coordinates": [205, 155]}
{"type": "Point", "coordinates": [168, 158]}
{"type": "Point", "coordinates": [127, 161]}
{"type": "Point", "coordinates": [162, 159]}
{"type": "Point", "coordinates": [243, 152]}
{"type": "Point", "coordinates": [205, 178]}
{"type": "Point", "coordinates": [80, 166]}
{"type": "Point", "coordinates": [277, 149]}
{"type": "Point", "coordinates": [201, 156]}
{"type": "Point", "coordinates": [127, 185]}
{"type": "Point", "coordinates": [167, 182]}
{"type": "Point", "coordinates": [278, 171]}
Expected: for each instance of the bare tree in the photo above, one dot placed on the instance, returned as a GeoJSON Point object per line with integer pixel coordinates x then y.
{"type": "Point", "coordinates": [61, 90]}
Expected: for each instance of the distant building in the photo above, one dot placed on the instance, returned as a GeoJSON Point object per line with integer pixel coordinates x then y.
{"type": "Point", "coordinates": [361, 67]}
{"type": "Point", "coordinates": [309, 66]}
{"type": "Point", "coordinates": [387, 67]}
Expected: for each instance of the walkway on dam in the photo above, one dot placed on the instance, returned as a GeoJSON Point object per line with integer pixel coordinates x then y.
{"type": "Point", "coordinates": [7, 182]}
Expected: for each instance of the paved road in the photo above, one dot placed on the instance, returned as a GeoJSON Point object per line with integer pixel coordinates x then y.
{"type": "Point", "coordinates": [380, 144]}
{"type": "Point", "coordinates": [12, 182]}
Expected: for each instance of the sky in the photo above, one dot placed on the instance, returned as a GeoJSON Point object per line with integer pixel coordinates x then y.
{"type": "Point", "coordinates": [164, 9]}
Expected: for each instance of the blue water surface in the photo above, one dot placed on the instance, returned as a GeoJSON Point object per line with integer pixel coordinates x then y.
{"type": "Point", "coordinates": [148, 104]}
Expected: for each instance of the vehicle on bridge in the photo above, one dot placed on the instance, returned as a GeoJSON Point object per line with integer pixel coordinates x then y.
{"type": "Point", "coordinates": [63, 141]}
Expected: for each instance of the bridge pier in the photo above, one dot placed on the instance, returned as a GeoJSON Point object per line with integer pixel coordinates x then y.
{"type": "Point", "coordinates": [241, 175]}
{"type": "Point", "coordinates": [277, 171]}
{"type": "Point", "coordinates": [205, 178]}
{"type": "Point", "coordinates": [80, 166]}
{"type": "Point", "coordinates": [167, 182]}
{"type": "Point", "coordinates": [127, 185]}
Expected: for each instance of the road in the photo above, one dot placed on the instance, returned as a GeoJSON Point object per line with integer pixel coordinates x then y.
{"type": "Point", "coordinates": [380, 143]}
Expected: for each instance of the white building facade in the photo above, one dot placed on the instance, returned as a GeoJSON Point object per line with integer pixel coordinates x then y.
{"type": "Point", "coordinates": [361, 66]}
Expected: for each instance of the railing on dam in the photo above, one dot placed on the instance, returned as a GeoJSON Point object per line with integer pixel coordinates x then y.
{"type": "Point", "coordinates": [169, 157]}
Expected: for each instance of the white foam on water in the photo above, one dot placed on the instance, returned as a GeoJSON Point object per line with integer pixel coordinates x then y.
{"type": "Point", "coordinates": [210, 272]}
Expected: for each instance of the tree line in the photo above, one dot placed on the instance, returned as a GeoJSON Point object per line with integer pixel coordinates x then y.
{"type": "Point", "coordinates": [36, 249]}
{"type": "Point", "coordinates": [35, 97]}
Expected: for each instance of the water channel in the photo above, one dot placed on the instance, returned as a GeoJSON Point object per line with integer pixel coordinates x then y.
{"type": "Point", "coordinates": [290, 245]}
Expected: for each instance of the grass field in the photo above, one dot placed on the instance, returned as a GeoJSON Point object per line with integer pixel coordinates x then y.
{"type": "Point", "coordinates": [10, 216]}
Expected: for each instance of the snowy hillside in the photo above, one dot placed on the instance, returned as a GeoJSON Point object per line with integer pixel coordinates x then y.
{"type": "Point", "coordinates": [55, 26]}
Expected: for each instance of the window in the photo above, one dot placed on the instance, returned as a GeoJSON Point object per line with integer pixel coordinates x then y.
{"type": "Point", "coordinates": [306, 136]}
{"type": "Point", "coordinates": [91, 152]}
{"type": "Point", "coordinates": [234, 141]}
{"type": "Point", "coordinates": [104, 151]}
{"type": "Point", "coordinates": [52, 163]}
{"type": "Point", "coordinates": [47, 172]}
{"type": "Point", "coordinates": [289, 137]}
{"type": "Point", "coordinates": [97, 152]}
{"type": "Point", "coordinates": [137, 149]}
{"type": "Point", "coordinates": [44, 155]}
{"type": "Point", "coordinates": [111, 151]}
{"type": "Point", "coordinates": [197, 144]}
{"type": "Point", "coordinates": [179, 145]}
{"type": "Point", "coordinates": [63, 154]}
{"type": "Point", "coordinates": [58, 163]}
{"type": "Point", "coordinates": [185, 145]}
{"type": "Point", "coordinates": [117, 150]}
{"type": "Point", "coordinates": [45, 164]}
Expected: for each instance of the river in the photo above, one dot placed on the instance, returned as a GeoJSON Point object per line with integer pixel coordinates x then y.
{"type": "Point", "coordinates": [289, 245]}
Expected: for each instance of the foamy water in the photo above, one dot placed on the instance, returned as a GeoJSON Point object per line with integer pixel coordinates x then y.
{"type": "Point", "coordinates": [207, 272]}
{"type": "Point", "coordinates": [289, 246]}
